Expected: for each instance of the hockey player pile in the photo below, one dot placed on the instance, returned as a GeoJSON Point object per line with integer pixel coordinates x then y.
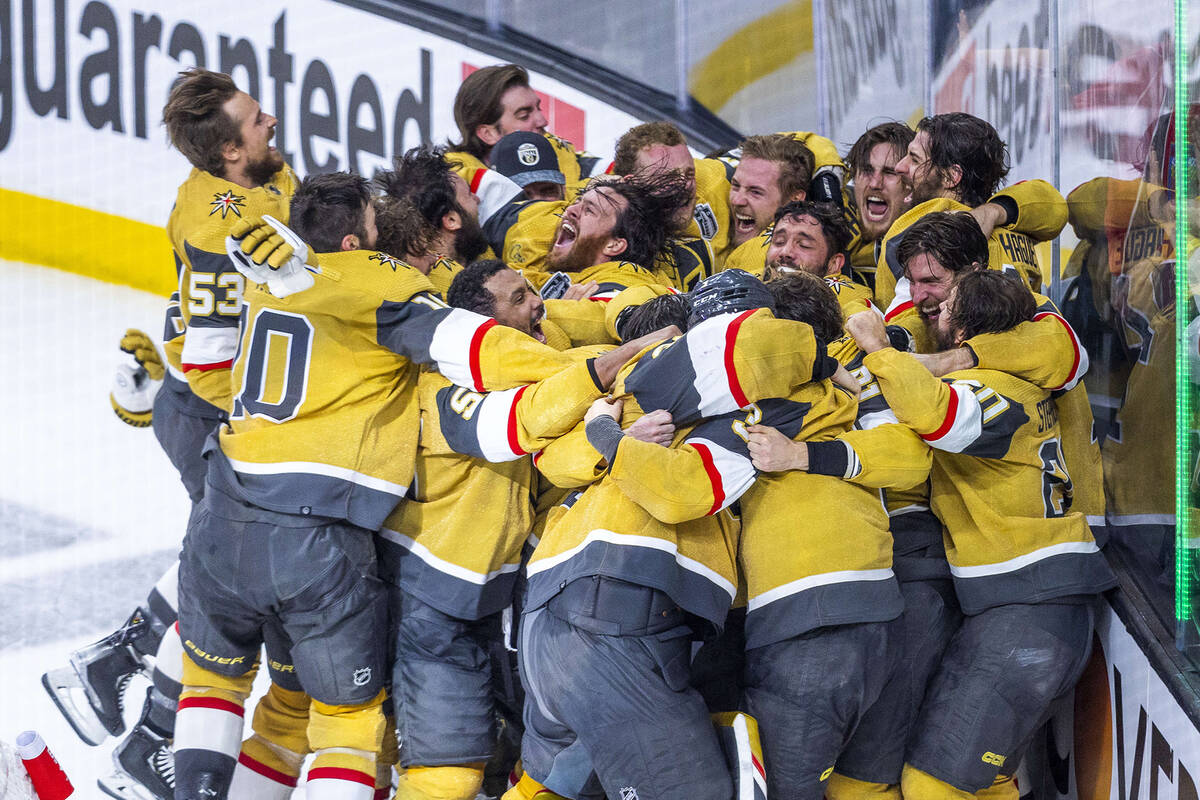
{"type": "Point", "coordinates": [524, 476]}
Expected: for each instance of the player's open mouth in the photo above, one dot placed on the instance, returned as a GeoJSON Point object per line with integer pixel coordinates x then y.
{"type": "Point", "coordinates": [566, 235]}
{"type": "Point", "coordinates": [744, 224]}
{"type": "Point", "coordinates": [536, 331]}
{"type": "Point", "coordinates": [931, 314]}
{"type": "Point", "coordinates": [876, 209]}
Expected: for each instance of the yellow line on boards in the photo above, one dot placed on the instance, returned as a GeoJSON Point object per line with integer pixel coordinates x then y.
{"type": "Point", "coordinates": [753, 52]}
{"type": "Point", "coordinates": [103, 246]}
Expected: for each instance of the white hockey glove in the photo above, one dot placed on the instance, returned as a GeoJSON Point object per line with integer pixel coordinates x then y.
{"type": "Point", "coordinates": [137, 379]}
{"type": "Point", "coordinates": [268, 252]}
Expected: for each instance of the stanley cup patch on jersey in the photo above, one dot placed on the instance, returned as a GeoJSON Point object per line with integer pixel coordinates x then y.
{"type": "Point", "coordinates": [706, 220]}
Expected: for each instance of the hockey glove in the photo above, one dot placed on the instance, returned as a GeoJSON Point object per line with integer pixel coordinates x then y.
{"type": "Point", "coordinates": [137, 379]}
{"type": "Point", "coordinates": [268, 252]}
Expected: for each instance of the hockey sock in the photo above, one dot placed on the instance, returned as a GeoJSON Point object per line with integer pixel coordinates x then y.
{"type": "Point", "coordinates": [918, 785]}
{"type": "Point", "coordinates": [461, 782]}
{"type": "Point", "coordinates": [269, 763]}
{"type": "Point", "coordinates": [389, 756]}
{"type": "Point", "coordinates": [842, 788]}
{"type": "Point", "coordinates": [167, 677]}
{"type": "Point", "coordinates": [527, 789]}
{"type": "Point", "coordinates": [163, 606]}
{"type": "Point", "coordinates": [265, 770]}
{"type": "Point", "coordinates": [208, 730]}
{"type": "Point", "coordinates": [346, 741]}
{"type": "Point", "coordinates": [1003, 788]}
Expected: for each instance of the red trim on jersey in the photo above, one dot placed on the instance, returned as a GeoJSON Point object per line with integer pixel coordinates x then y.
{"type": "Point", "coordinates": [473, 355]}
{"type": "Point", "coordinates": [514, 443]}
{"type": "Point", "coordinates": [341, 774]}
{"type": "Point", "coordinates": [897, 311]}
{"type": "Point", "coordinates": [600, 299]}
{"type": "Point", "coordinates": [735, 387]}
{"type": "Point", "coordinates": [758, 765]}
{"type": "Point", "coordinates": [477, 179]}
{"type": "Point", "coordinates": [609, 169]}
{"type": "Point", "coordinates": [537, 457]}
{"type": "Point", "coordinates": [948, 422]}
{"type": "Point", "coordinates": [208, 367]}
{"type": "Point", "coordinates": [215, 703]}
{"type": "Point", "coordinates": [270, 773]}
{"type": "Point", "coordinates": [714, 477]}
{"type": "Point", "coordinates": [1074, 344]}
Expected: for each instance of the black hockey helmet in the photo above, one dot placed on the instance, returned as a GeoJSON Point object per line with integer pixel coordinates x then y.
{"type": "Point", "coordinates": [729, 291]}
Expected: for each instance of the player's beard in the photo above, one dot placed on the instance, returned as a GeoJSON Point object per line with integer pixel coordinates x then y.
{"type": "Point", "coordinates": [260, 172]}
{"type": "Point", "coordinates": [584, 253]}
{"type": "Point", "coordinates": [469, 241]}
{"type": "Point", "coordinates": [928, 187]}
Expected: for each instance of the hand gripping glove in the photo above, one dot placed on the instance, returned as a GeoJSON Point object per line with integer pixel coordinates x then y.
{"type": "Point", "coordinates": [137, 379]}
{"type": "Point", "coordinates": [268, 252]}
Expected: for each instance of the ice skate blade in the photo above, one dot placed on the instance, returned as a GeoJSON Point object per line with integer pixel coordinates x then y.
{"type": "Point", "coordinates": [122, 785]}
{"type": "Point", "coordinates": [67, 692]}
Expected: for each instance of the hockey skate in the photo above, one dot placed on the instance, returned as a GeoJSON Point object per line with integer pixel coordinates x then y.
{"type": "Point", "coordinates": [145, 768]}
{"type": "Point", "coordinates": [88, 691]}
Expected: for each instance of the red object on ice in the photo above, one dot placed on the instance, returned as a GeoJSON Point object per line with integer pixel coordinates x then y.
{"type": "Point", "coordinates": [49, 780]}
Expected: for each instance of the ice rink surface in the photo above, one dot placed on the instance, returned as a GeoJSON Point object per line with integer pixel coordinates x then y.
{"type": "Point", "coordinates": [91, 510]}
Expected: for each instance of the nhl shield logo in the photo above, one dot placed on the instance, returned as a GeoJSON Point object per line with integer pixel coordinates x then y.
{"type": "Point", "coordinates": [629, 793]}
{"type": "Point", "coordinates": [362, 676]}
{"type": "Point", "coordinates": [706, 220]}
{"type": "Point", "coordinates": [527, 154]}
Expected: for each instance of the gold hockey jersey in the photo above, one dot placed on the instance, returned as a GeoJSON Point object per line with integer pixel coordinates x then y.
{"type": "Point", "coordinates": [210, 289]}
{"type": "Point", "coordinates": [456, 540]}
{"type": "Point", "coordinates": [999, 484]}
{"type": "Point", "coordinates": [325, 413]}
{"type": "Point", "coordinates": [1042, 214]}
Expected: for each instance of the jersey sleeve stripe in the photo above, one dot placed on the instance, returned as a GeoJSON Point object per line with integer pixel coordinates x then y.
{"type": "Point", "coordinates": [948, 422]}
{"type": "Point", "coordinates": [963, 425]}
{"type": "Point", "coordinates": [210, 348]}
{"type": "Point", "coordinates": [207, 367]}
{"type": "Point", "coordinates": [896, 311]}
{"type": "Point", "coordinates": [473, 356]}
{"type": "Point", "coordinates": [1074, 376]}
{"type": "Point", "coordinates": [514, 443]}
{"type": "Point", "coordinates": [735, 386]}
{"type": "Point", "coordinates": [714, 477]}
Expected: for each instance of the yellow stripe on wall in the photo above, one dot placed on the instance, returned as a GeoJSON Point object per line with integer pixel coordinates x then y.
{"type": "Point", "coordinates": [88, 242]}
{"type": "Point", "coordinates": [753, 52]}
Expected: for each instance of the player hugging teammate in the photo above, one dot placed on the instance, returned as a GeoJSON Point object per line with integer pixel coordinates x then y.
{"type": "Point", "coordinates": [630, 477]}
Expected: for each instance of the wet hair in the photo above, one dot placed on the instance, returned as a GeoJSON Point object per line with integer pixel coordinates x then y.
{"type": "Point", "coordinates": [327, 208]}
{"type": "Point", "coordinates": [656, 313]}
{"type": "Point", "coordinates": [896, 134]}
{"type": "Point", "coordinates": [638, 138]}
{"type": "Point", "coordinates": [478, 103]}
{"type": "Point", "coordinates": [796, 162]}
{"type": "Point", "coordinates": [828, 216]}
{"type": "Point", "coordinates": [468, 291]}
{"type": "Point", "coordinates": [652, 200]}
{"type": "Point", "coordinates": [972, 144]}
{"type": "Point", "coordinates": [987, 301]}
{"type": "Point", "coordinates": [420, 181]}
{"type": "Point", "coordinates": [804, 297]}
{"type": "Point", "coordinates": [953, 239]}
{"type": "Point", "coordinates": [196, 122]}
